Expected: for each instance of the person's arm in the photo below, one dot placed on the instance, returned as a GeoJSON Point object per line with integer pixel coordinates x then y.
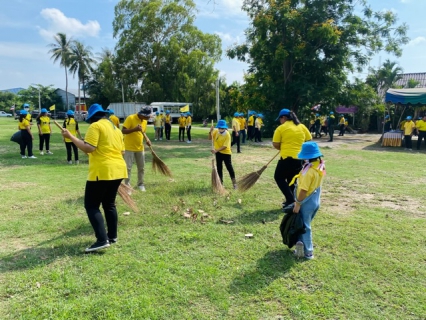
{"type": "Point", "coordinates": [302, 195]}
{"type": "Point", "coordinates": [29, 131]}
{"type": "Point", "coordinates": [86, 148]}
{"type": "Point", "coordinates": [277, 145]}
{"type": "Point", "coordinates": [210, 132]}
{"type": "Point", "coordinates": [39, 129]}
{"type": "Point", "coordinates": [127, 131]}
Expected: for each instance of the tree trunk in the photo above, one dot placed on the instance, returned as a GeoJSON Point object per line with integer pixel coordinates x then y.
{"type": "Point", "coordinates": [79, 98]}
{"type": "Point", "coordinates": [66, 88]}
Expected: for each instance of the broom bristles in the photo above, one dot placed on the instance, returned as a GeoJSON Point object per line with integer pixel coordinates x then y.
{"type": "Point", "coordinates": [123, 192]}
{"type": "Point", "coordinates": [159, 165]}
{"type": "Point", "coordinates": [249, 180]}
{"type": "Point", "coordinates": [217, 186]}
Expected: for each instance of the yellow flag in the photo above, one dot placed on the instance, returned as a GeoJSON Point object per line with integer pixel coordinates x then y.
{"type": "Point", "coordinates": [184, 109]}
{"type": "Point", "coordinates": [52, 108]}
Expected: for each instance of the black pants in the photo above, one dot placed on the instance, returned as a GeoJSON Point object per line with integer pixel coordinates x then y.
{"type": "Point", "coordinates": [243, 136]}
{"type": "Point", "coordinates": [257, 135]}
{"type": "Point", "coordinates": [70, 145]}
{"type": "Point", "coordinates": [182, 132]}
{"type": "Point", "coordinates": [342, 129]}
{"type": "Point", "coordinates": [236, 140]}
{"type": "Point", "coordinates": [102, 192]}
{"type": "Point", "coordinates": [188, 133]}
{"type": "Point", "coordinates": [408, 142]}
{"type": "Point", "coordinates": [26, 142]}
{"type": "Point", "coordinates": [317, 130]}
{"type": "Point", "coordinates": [168, 130]}
{"type": "Point", "coordinates": [284, 172]}
{"type": "Point", "coordinates": [324, 129]}
{"type": "Point", "coordinates": [45, 137]}
{"type": "Point", "coordinates": [250, 133]}
{"type": "Point", "coordinates": [331, 133]}
{"type": "Point", "coordinates": [422, 135]}
{"type": "Point", "coordinates": [220, 158]}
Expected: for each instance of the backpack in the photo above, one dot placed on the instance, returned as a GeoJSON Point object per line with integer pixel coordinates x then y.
{"type": "Point", "coordinates": [291, 227]}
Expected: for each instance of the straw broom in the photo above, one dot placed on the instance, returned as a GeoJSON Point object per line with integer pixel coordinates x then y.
{"type": "Point", "coordinates": [123, 190]}
{"type": "Point", "coordinates": [250, 179]}
{"type": "Point", "coordinates": [157, 163]}
{"type": "Point", "coordinates": [217, 186]}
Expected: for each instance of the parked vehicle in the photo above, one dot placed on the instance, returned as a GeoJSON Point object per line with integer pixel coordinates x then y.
{"type": "Point", "coordinates": [60, 115]}
{"type": "Point", "coordinates": [5, 114]}
{"type": "Point", "coordinates": [173, 107]}
{"type": "Point", "coordinates": [123, 109]}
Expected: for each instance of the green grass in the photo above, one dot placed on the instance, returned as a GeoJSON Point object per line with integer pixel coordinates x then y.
{"type": "Point", "coordinates": [369, 237]}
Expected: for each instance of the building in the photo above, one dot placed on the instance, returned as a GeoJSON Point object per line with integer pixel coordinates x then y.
{"type": "Point", "coordinates": [405, 77]}
{"type": "Point", "coordinates": [72, 98]}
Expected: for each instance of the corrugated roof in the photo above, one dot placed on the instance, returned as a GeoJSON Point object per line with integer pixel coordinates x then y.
{"type": "Point", "coordinates": [420, 77]}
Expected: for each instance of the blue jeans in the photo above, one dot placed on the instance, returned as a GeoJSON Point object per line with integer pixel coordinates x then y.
{"type": "Point", "coordinates": [308, 210]}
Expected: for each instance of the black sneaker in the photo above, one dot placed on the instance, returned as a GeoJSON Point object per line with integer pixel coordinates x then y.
{"type": "Point", "coordinates": [111, 241]}
{"type": "Point", "coordinates": [98, 246]}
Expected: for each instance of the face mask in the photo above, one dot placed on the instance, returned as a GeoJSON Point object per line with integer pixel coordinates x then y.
{"type": "Point", "coordinates": [223, 133]}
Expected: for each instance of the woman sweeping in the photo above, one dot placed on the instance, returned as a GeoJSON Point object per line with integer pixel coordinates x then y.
{"type": "Point", "coordinates": [72, 126]}
{"type": "Point", "coordinates": [105, 146]}
{"type": "Point", "coordinates": [222, 150]}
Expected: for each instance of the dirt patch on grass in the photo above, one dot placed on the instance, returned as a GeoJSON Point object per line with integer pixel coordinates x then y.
{"type": "Point", "coordinates": [17, 185]}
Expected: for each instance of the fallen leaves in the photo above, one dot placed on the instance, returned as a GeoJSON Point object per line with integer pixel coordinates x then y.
{"type": "Point", "coordinates": [126, 213]}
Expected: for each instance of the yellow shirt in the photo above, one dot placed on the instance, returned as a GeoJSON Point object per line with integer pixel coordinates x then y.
{"type": "Point", "coordinates": [408, 127]}
{"type": "Point", "coordinates": [342, 121]}
{"type": "Point", "coordinates": [28, 117]}
{"type": "Point", "coordinates": [72, 126]}
{"type": "Point", "coordinates": [182, 122]}
{"type": "Point", "coordinates": [158, 121]}
{"type": "Point", "coordinates": [114, 119]}
{"type": "Point", "coordinates": [24, 124]}
{"type": "Point", "coordinates": [168, 119]}
{"type": "Point", "coordinates": [235, 124]}
{"type": "Point", "coordinates": [258, 123]}
{"type": "Point", "coordinates": [188, 121]}
{"type": "Point", "coordinates": [311, 180]}
{"type": "Point", "coordinates": [250, 122]}
{"type": "Point", "coordinates": [134, 141]}
{"type": "Point", "coordinates": [291, 138]}
{"type": "Point", "coordinates": [421, 125]}
{"type": "Point", "coordinates": [106, 162]}
{"type": "Point", "coordinates": [221, 140]}
{"type": "Point", "coordinates": [44, 123]}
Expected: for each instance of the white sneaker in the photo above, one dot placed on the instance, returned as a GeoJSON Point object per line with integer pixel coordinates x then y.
{"type": "Point", "coordinates": [48, 152]}
{"type": "Point", "coordinates": [161, 138]}
{"type": "Point", "coordinates": [300, 251]}
{"type": "Point", "coordinates": [155, 139]}
{"type": "Point", "coordinates": [23, 157]}
{"type": "Point", "coordinates": [77, 161]}
{"type": "Point", "coordinates": [32, 157]}
{"type": "Point", "coordinates": [70, 162]}
{"type": "Point", "coordinates": [41, 153]}
{"type": "Point", "coordinates": [188, 141]}
{"type": "Point", "coordinates": [142, 188]}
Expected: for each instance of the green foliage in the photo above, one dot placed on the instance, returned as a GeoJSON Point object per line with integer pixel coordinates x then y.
{"type": "Point", "coordinates": [47, 94]}
{"type": "Point", "coordinates": [411, 83]}
{"type": "Point", "coordinates": [385, 77]}
{"type": "Point", "coordinates": [7, 99]}
{"type": "Point", "coordinates": [299, 52]}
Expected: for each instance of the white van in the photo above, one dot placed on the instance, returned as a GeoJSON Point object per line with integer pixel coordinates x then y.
{"type": "Point", "coordinates": [173, 107]}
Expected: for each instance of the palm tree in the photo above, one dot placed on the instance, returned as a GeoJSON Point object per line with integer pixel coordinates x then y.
{"type": "Point", "coordinates": [385, 77]}
{"type": "Point", "coordinates": [81, 61]}
{"type": "Point", "coordinates": [60, 50]}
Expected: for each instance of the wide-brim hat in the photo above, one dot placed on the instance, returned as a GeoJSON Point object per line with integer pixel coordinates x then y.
{"type": "Point", "coordinates": [409, 118]}
{"type": "Point", "coordinates": [44, 110]}
{"type": "Point", "coordinates": [259, 115]}
{"type": "Point", "coordinates": [111, 111]}
{"type": "Point", "coordinates": [23, 112]}
{"type": "Point", "coordinates": [387, 117]}
{"type": "Point", "coordinates": [94, 108]}
{"type": "Point", "coordinates": [70, 112]}
{"type": "Point", "coordinates": [222, 124]}
{"type": "Point", "coordinates": [26, 105]}
{"type": "Point", "coordinates": [283, 112]}
{"type": "Point", "coordinates": [310, 150]}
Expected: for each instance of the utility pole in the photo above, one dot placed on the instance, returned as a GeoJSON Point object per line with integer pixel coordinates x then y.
{"type": "Point", "coordinates": [39, 102]}
{"type": "Point", "coordinates": [217, 99]}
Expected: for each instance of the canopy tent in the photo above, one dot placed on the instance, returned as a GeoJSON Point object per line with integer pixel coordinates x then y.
{"type": "Point", "coordinates": [406, 96]}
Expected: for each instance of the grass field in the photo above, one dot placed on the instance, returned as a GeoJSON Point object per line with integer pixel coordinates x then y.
{"type": "Point", "coordinates": [369, 237]}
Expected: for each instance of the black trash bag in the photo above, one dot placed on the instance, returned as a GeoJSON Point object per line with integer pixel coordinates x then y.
{"type": "Point", "coordinates": [16, 137]}
{"type": "Point", "coordinates": [291, 226]}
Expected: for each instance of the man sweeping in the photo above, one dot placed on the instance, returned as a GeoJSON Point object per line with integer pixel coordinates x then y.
{"type": "Point", "coordinates": [133, 128]}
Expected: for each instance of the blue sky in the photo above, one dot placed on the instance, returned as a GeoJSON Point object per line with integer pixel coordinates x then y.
{"type": "Point", "coordinates": [27, 27]}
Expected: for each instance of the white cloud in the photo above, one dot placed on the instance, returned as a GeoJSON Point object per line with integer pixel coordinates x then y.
{"type": "Point", "coordinates": [72, 27]}
{"type": "Point", "coordinates": [220, 9]}
{"type": "Point", "coordinates": [417, 41]}
{"type": "Point", "coordinates": [228, 39]}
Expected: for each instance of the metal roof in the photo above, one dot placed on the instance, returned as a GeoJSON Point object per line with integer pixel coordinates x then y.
{"type": "Point", "coordinates": [420, 77]}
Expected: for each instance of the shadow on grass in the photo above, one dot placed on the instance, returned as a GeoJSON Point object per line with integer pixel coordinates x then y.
{"type": "Point", "coordinates": [275, 264]}
{"type": "Point", "coordinates": [256, 217]}
{"type": "Point", "coordinates": [46, 252]}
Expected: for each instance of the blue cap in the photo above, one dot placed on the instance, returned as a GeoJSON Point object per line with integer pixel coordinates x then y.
{"type": "Point", "coordinates": [236, 114]}
{"type": "Point", "coordinates": [221, 124]}
{"type": "Point", "coordinates": [309, 150]}
{"type": "Point", "coordinates": [283, 112]}
{"type": "Point", "coordinates": [317, 115]}
{"type": "Point", "coordinates": [44, 110]}
{"type": "Point", "coordinates": [70, 112]}
{"type": "Point", "coordinates": [331, 112]}
{"type": "Point", "coordinates": [94, 108]}
{"type": "Point", "coordinates": [241, 114]}
{"type": "Point", "coordinates": [157, 113]}
{"type": "Point", "coordinates": [23, 112]}
{"type": "Point", "coordinates": [168, 112]}
{"type": "Point", "coordinates": [409, 118]}
{"type": "Point", "coordinates": [188, 113]}
{"type": "Point", "coordinates": [387, 117]}
{"type": "Point", "coordinates": [26, 105]}
{"type": "Point", "coordinates": [259, 115]}
{"type": "Point", "coordinates": [111, 111]}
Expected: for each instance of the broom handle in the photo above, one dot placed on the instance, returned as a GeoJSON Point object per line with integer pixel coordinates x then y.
{"type": "Point", "coordinates": [58, 125]}
{"type": "Point", "coordinates": [212, 147]}
{"type": "Point", "coordinates": [272, 158]}
{"type": "Point", "coordinates": [146, 138]}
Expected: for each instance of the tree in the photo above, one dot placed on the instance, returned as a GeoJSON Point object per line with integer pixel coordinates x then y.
{"type": "Point", "coordinates": [300, 52]}
{"type": "Point", "coordinates": [80, 62]}
{"type": "Point", "coordinates": [60, 51]}
{"type": "Point", "coordinates": [48, 97]}
{"type": "Point", "coordinates": [411, 83]}
{"type": "Point", "coordinates": [385, 77]}
{"type": "Point", "coordinates": [159, 46]}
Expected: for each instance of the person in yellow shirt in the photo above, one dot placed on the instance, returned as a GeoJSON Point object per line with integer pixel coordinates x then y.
{"type": "Point", "coordinates": [105, 147]}
{"type": "Point", "coordinates": [114, 119]}
{"type": "Point", "coordinates": [342, 125]}
{"type": "Point", "coordinates": [188, 124]}
{"type": "Point", "coordinates": [288, 138]}
{"type": "Point", "coordinates": [243, 127]}
{"type": "Point", "coordinates": [421, 131]}
{"type": "Point", "coordinates": [250, 125]}
{"type": "Point", "coordinates": [222, 150]}
{"type": "Point", "coordinates": [258, 124]}
{"type": "Point", "coordinates": [163, 121]}
{"type": "Point", "coordinates": [44, 131]}
{"type": "Point", "coordinates": [308, 194]}
{"type": "Point", "coordinates": [182, 122]}
{"type": "Point", "coordinates": [133, 128]}
{"type": "Point", "coordinates": [409, 127]}
{"type": "Point", "coordinates": [72, 126]}
{"type": "Point", "coordinates": [158, 122]}
{"type": "Point", "coordinates": [26, 135]}
{"type": "Point", "coordinates": [168, 124]}
{"type": "Point", "coordinates": [236, 131]}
